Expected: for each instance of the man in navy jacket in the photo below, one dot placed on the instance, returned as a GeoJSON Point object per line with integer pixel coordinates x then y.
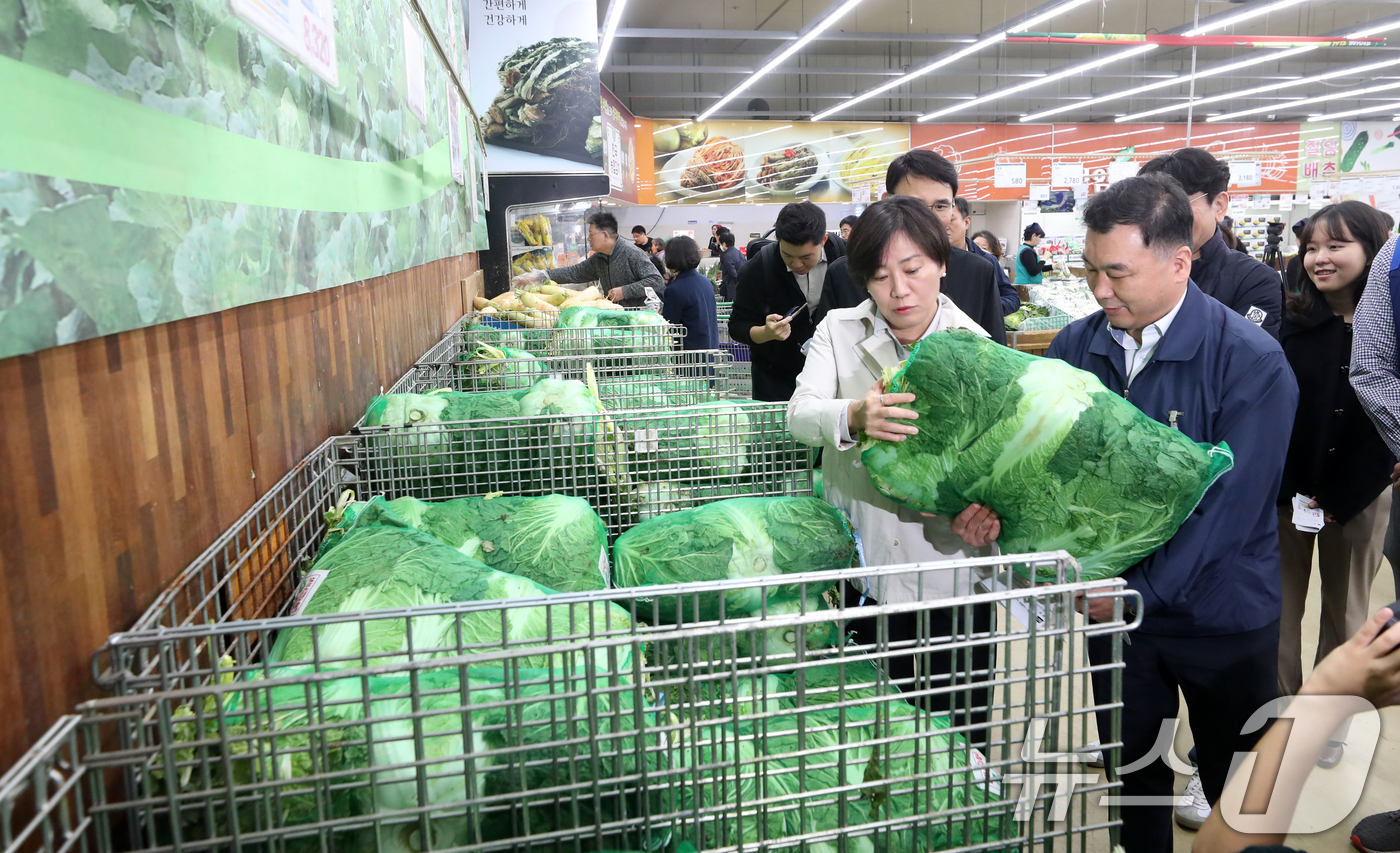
{"type": "Point", "coordinates": [1211, 596]}
{"type": "Point", "coordinates": [1243, 284]}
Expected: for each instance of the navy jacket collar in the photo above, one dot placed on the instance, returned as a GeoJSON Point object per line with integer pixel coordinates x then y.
{"type": "Point", "coordinates": [1212, 251]}
{"type": "Point", "coordinates": [1181, 343]}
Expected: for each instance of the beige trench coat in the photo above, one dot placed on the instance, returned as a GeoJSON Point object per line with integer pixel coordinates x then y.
{"type": "Point", "coordinates": [847, 354]}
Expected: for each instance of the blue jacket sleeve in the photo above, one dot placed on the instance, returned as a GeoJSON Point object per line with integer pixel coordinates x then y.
{"type": "Point", "coordinates": [1010, 299]}
{"type": "Point", "coordinates": [1256, 420]}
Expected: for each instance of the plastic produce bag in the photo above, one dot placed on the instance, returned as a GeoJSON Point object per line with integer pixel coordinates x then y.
{"type": "Point", "coordinates": [386, 566]}
{"type": "Point", "coordinates": [736, 538]}
{"type": "Point", "coordinates": [556, 541]}
{"type": "Point", "coordinates": [1064, 461]}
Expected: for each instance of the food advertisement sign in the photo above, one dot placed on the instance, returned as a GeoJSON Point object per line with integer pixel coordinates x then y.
{"type": "Point", "coordinates": [1329, 152]}
{"type": "Point", "coordinates": [769, 162]}
{"type": "Point", "coordinates": [619, 146]}
{"type": "Point", "coordinates": [534, 71]}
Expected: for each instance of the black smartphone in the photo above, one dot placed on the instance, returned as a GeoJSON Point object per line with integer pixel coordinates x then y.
{"type": "Point", "coordinates": [793, 313]}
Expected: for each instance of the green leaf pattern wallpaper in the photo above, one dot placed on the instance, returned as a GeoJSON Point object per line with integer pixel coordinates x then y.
{"type": "Point", "coordinates": [161, 160]}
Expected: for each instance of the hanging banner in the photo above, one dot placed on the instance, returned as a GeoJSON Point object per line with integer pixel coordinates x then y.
{"type": "Point", "coordinates": [735, 161]}
{"type": "Point", "coordinates": [619, 142]}
{"type": "Point", "coordinates": [1066, 174]}
{"type": "Point", "coordinates": [534, 78]}
{"type": "Point", "coordinates": [1011, 175]}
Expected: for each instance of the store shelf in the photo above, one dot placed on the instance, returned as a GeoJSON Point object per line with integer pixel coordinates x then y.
{"type": "Point", "coordinates": [520, 250]}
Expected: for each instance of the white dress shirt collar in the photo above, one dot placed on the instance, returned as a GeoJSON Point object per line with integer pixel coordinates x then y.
{"type": "Point", "coordinates": [1137, 355]}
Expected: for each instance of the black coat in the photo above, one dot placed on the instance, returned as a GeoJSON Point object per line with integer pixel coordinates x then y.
{"type": "Point", "coordinates": [1335, 455]}
{"type": "Point", "coordinates": [1242, 284]}
{"type": "Point", "coordinates": [767, 287]}
{"type": "Point", "coordinates": [971, 283]}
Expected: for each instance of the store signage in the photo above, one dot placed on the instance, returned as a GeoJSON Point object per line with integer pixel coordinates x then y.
{"type": "Point", "coordinates": [1351, 187]}
{"type": "Point", "coordinates": [1040, 192]}
{"type": "Point", "coordinates": [619, 147]}
{"type": "Point", "coordinates": [1066, 174]}
{"type": "Point", "coordinates": [1009, 175]}
{"type": "Point", "coordinates": [1120, 169]}
{"type": "Point", "coordinates": [1372, 186]}
{"type": "Point", "coordinates": [1285, 202]}
{"type": "Point", "coordinates": [1245, 173]}
{"type": "Point", "coordinates": [304, 28]}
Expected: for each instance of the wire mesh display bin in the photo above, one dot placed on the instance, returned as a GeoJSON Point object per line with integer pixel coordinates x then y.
{"type": "Point", "coordinates": [640, 381]}
{"type": "Point", "coordinates": [611, 721]}
{"type": "Point", "coordinates": [722, 312]}
{"type": "Point", "coordinates": [476, 328]}
{"type": "Point", "coordinates": [629, 465]}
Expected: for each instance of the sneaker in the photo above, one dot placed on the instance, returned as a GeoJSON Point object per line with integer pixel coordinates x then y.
{"type": "Point", "coordinates": [1331, 755]}
{"type": "Point", "coordinates": [1193, 808]}
{"type": "Point", "coordinates": [1379, 833]}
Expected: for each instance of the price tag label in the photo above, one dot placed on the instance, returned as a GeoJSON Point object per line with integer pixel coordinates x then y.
{"type": "Point", "coordinates": [304, 28]}
{"type": "Point", "coordinates": [1245, 173]}
{"type": "Point", "coordinates": [646, 441]}
{"type": "Point", "coordinates": [414, 79]}
{"type": "Point", "coordinates": [1351, 187]}
{"type": "Point", "coordinates": [1040, 192]}
{"type": "Point", "coordinates": [1285, 202]}
{"type": "Point", "coordinates": [1066, 174]}
{"type": "Point", "coordinates": [1120, 169]}
{"type": "Point", "coordinates": [1009, 175]}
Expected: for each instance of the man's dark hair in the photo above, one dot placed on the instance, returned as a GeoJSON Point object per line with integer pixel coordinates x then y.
{"type": "Point", "coordinates": [850, 220]}
{"type": "Point", "coordinates": [603, 221]}
{"type": "Point", "coordinates": [725, 237]}
{"type": "Point", "coordinates": [800, 223]}
{"type": "Point", "coordinates": [1153, 203]}
{"type": "Point", "coordinates": [637, 229]}
{"type": "Point", "coordinates": [885, 219]}
{"type": "Point", "coordinates": [1194, 168]}
{"type": "Point", "coordinates": [924, 164]}
{"type": "Point", "coordinates": [964, 209]}
{"type": "Point", "coordinates": [1367, 226]}
{"type": "Point", "coordinates": [682, 254]}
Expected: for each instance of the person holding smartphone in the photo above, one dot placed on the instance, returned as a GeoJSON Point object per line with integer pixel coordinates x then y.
{"type": "Point", "coordinates": [779, 279]}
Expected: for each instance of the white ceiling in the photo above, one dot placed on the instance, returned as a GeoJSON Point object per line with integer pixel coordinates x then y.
{"type": "Point", "coordinates": [675, 58]}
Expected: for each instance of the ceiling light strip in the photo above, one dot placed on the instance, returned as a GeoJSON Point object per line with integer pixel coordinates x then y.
{"type": "Point", "coordinates": [614, 16]}
{"type": "Point", "coordinates": [1379, 108]}
{"type": "Point", "coordinates": [1225, 96]}
{"type": "Point", "coordinates": [941, 62]}
{"type": "Point", "coordinates": [802, 41]}
{"type": "Point", "coordinates": [1298, 102]}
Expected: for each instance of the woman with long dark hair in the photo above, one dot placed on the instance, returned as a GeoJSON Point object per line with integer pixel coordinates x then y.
{"type": "Point", "coordinates": [1336, 459]}
{"type": "Point", "coordinates": [1029, 266]}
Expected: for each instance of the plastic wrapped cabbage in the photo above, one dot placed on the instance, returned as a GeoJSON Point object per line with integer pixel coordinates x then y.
{"type": "Point", "coordinates": [584, 330]}
{"type": "Point", "coordinates": [718, 440]}
{"type": "Point", "coordinates": [384, 566]}
{"type": "Point", "coordinates": [1064, 461]}
{"type": "Point", "coordinates": [556, 541]}
{"type": "Point", "coordinates": [736, 538]}
{"type": "Point", "coordinates": [500, 368]}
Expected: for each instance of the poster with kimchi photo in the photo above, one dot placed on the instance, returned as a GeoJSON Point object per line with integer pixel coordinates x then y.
{"type": "Point", "coordinates": [764, 162]}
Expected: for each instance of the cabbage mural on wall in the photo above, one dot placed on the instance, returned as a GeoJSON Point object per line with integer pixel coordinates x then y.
{"type": "Point", "coordinates": [161, 160]}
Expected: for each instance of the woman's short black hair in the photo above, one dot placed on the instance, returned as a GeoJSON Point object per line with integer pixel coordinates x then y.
{"type": "Point", "coordinates": [1364, 223]}
{"type": "Point", "coordinates": [993, 244]}
{"type": "Point", "coordinates": [682, 254]}
{"type": "Point", "coordinates": [881, 222]}
{"type": "Point", "coordinates": [1033, 230]}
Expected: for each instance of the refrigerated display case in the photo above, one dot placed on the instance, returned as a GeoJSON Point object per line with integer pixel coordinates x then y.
{"type": "Point", "coordinates": [563, 201]}
{"type": "Point", "coordinates": [549, 235]}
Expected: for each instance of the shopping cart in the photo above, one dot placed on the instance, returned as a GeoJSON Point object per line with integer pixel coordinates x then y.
{"type": "Point", "coordinates": [757, 731]}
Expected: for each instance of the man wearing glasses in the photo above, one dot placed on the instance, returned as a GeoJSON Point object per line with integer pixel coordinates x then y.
{"type": "Point", "coordinates": [1245, 285]}
{"type": "Point", "coordinates": [970, 280]}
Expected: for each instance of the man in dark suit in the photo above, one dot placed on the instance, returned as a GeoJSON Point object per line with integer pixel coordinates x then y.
{"type": "Point", "coordinates": [970, 280]}
{"type": "Point", "coordinates": [785, 290]}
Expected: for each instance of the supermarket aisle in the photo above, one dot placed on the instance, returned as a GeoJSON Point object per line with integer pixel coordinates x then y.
{"type": "Point", "coordinates": [1382, 791]}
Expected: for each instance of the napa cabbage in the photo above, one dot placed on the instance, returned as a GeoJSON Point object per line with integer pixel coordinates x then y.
{"type": "Point", "coordinates": [1064, 461]}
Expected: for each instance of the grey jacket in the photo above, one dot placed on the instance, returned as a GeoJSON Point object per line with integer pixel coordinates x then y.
{"type": "Point", "coordinates": [627, 267]}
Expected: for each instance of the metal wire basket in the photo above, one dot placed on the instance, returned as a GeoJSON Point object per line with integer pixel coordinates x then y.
{"type": "Point", "coordinates": [761, 731]}
{"type": "Point", "coordinates": [626, 464]}
{"type": "Point", "coordinates": [641, 380]}
{"type": "Point", "coordinates": [597, 341]}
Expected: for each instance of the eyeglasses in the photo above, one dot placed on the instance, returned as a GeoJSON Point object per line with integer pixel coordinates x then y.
{"type": "Point", "coordinates": [1192, 199]}
{"type": "Point", "coordinates": [941, 206]}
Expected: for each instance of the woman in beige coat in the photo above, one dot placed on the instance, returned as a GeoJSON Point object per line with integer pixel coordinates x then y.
{"type": "Point", "coordinates": [899, 252]}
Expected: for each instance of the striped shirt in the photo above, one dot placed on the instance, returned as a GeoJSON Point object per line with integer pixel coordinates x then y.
{"type": "Point", "coordinates": [1375, 370]}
